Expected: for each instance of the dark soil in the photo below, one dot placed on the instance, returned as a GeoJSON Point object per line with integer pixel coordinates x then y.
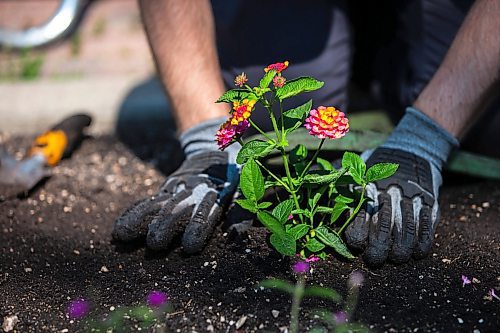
{"type": "Point", "coordinates": [55, 246]}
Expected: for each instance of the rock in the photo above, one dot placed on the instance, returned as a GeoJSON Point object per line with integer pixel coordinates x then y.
{"type": "Point", "coordinates": [9, 323]}
{"type": "Point", "coordinates": [104, 269]}
{"type": "Point", "coordinates": [241, 322]}
{"type": "Point", "coordinates": [275, 313]}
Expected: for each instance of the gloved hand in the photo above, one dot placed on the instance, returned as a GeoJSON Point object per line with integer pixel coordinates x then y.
{"type": "Point", "coordinates": [192, 199]}
{"type": "Point", "coordinates": [401, 220]}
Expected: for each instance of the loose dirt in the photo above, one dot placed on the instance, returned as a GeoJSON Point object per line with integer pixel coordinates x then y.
{"type": "Point", "coordinates": [55, 246]}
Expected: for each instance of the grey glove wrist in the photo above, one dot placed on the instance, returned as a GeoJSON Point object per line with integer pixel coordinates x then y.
{"type": "Point", "coordinates": [418, 134]}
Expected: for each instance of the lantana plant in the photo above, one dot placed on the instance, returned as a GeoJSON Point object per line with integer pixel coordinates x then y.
{"type": "Point", "coordinates": [319, 201]}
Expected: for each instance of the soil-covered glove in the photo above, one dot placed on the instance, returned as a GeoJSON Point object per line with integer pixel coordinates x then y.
{"type": "Point", "coordinates": [401, 220]}
{"type": "Point", "coordinates": [192, 199]}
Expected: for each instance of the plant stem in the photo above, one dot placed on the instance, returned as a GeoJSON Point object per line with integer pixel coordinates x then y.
{"type": "Point", "coordinates": [298, 293]}
{"type": "Point", "coordinates": [312, 159]}
{"type": "Point", "coordinates": [259, 130]}
{"type": "Point", "coordinates": [289, 177]}
{"type": "Point", "coordinates": [273, 175]}
{"type": "Point", "coordinates": [356, 210]}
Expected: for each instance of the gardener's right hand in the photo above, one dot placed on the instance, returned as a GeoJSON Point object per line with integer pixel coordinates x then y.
{"type": "Point", "coordinates": [191, 200]}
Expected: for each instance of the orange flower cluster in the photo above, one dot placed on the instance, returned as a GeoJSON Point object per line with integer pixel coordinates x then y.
{"type": "Point", "coordinates": [242, 110]}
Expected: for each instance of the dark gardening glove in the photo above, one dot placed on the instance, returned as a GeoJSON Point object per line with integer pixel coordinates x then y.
{"type": "Point", "coordinates": [192, 199]}
{"type": "Point", "coordinates": [401, 220]}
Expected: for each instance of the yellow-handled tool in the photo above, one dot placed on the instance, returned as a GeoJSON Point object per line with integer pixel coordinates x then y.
{"type": "Point", "coordinates": [48, 149]}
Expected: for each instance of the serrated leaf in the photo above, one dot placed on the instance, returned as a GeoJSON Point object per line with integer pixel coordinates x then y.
{"type": "Point", "coordinates": [356, 166]}
{"type": "Point", "coordinates": [294, 118]}
{"type": "Point", "coordinates": [271, 223]}
{"type": "Point", "coordinates": [298, 86]}
{"type": "Point", "coordinates": [321, 177]}
{"type": "Point", "coordinates": [267, 79]}
{"type": "Point", "coordinates": [264, 205]}
{"type": "Point", "coordinates": [233, 95]}
{"type": "Point", "coordinates": [254, 149]}
{"type": "Point", "coordinates": [298, 231]}
{"type": "Point", "coordinates": [248, 204]}
{"type": "Point", "coordinates": [298, 154]}
{"type": "Point", "coordinates": [337, 210]}
{"type": "Point", "coordinates": [285, 245]}
{"type": "Point", "coordinates": [322, 292]}
{"type": "Point", "coordinates": [252, 181]}
{"type": "Point", "coordinates": [334, 241]}
{"type": "Point", "coordinates": [283, 210]}
{"type": "Point", "coordinates": [278, 285]}
{"type": "Point", "coordinates": [314, 245]}
{"type": "Point", "coordinates": [324, 164]}
{"type": "Point", "coordinates": [380, 171]}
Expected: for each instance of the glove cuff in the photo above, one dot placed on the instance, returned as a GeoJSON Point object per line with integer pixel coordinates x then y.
{"type": "Point", "coordinates": [418, 134]}
{"type": "Point", "coordinates": [201, 138]}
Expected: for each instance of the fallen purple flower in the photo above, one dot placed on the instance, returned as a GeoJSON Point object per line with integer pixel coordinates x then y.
{"type": "Point", "coordinates": [340, 317]}
{"type": "Point", "coordinates": [157, 298]}
{"type": "Point", "coordinates": [492, 294]}
{"type": "Point", "coordinates": [312, 258]}
{"type": "Point", "coordinates": [78, 308]}
{"type": "Point", "coordinates": [465, 280]}
{"type": "Point", "coordinates": [355, 279]}
{"type": "Point", "coordinates": [301, 267]}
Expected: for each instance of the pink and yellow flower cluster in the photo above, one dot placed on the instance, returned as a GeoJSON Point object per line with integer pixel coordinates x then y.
{"type": "Point", "coordinates": [327, 122]}
{"type": "Point", "coordinates": [236, 124]}
{"type": "Point", "coordinates": [278, 67]}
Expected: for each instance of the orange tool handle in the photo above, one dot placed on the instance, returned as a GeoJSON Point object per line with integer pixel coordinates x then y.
{"type": "Point", "coordinates": [62, 139]}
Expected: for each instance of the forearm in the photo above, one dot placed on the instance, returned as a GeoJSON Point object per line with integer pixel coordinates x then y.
{"type": "Point", "coordinates": [469, 74]}
{"type": "Point", "coordinates": [182, 38]}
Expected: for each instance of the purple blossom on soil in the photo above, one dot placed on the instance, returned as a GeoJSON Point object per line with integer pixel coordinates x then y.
{"type": "Point", "coordinates": [312, 258]}
{"type": "Point", "coordinates": [301, 267]}
{"type": "Point", "coordinates": [78, 308]}
{"type": "Point", "coordinates": [356, 279]}
{"type": "Point", "coordinates": [340, 317]}
{"type": "Point", "coordinates": [157, 298]}
{"type": "Point", "coordinates": [465, 280]}
{"type": "Point", "coordinates": [492, 294]}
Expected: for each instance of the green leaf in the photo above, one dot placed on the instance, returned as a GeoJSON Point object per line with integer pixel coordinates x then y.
{"type": "Point", "coordinates": [380, 171]}
{"type": "Point", "coordinates": [322, 292]}
{"type": "Point", "coordinates": [298, 154]}
{"type": "Point", "coordinates": [248, 204]}
{"type": "Point", "coordinates": [314, 200]}
{"type": "Point", "coordinates": [283, 210]}
{"type": "Point", "coordinates": [252, 181]}
{"type": "Point", "coordinates": [304, 212]}
{"type": "Point", "coordinates": [321, 177]}
{"type": "Point", "coordinates": [271, 223]}
{"type": "Point", "coordinates": [284, 244]}
{"type": "Point", "coordinates": [344, 199]}
{"type": "Point", "coordinates": [233, 95]}
{"type": "Point", "coordinates": [268, 77]}
{"type": "Point", "coordinates": [324, 164]}
{"type": "Point", "coordinates": [297, 86]}
{"type": "Point", "coordinates": [294, 118]}
{"type": "Point", "coordinates": [314, 245]}
{"type": "Point", "coordinates": [264, 205]}
{"type": "Point", "coordinates": [278, 285]}
{"type": "Point", "coordinates": [356, 166]}
{"type": "Point", "coordinates": [337, 210]}
{"type": "Point", "coordinates": [333, 240]}
{"type": "Point", "coordinates": [299, 231]}
{"type": "Point", "coordinates": [254, 149]}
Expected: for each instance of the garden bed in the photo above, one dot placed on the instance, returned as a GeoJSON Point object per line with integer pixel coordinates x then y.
{"type": "Point", "coordinates": [55, 246]}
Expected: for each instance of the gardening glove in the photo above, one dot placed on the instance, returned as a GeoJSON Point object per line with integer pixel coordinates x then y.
{"type": "Point", "coordinates": [192, 199]}
{"type": "Point", "coordinates": [401, 220]}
